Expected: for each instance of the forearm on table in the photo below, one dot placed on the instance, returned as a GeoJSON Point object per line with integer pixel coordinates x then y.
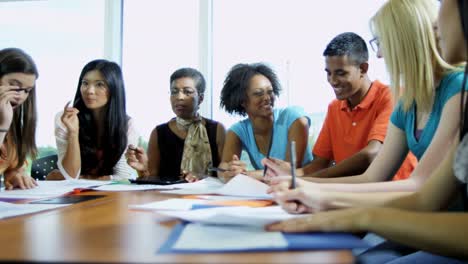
{"type": "Point", "coordinates": [362, 178]}
{"type": "Point", "coordinates": [440, 233]}
{"type": "Point", "coordinates": [407, 185]}
{"type": "Point", "coordinates": [339, 200]}
{"type": "Point", "coordinates": [355, 165]}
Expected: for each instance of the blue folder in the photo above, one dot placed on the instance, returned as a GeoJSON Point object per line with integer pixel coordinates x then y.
{"type": "Point", "coordinates": [296, 241]}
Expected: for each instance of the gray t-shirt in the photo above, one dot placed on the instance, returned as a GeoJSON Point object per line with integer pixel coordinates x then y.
{"type": "Point", "coordinates": [460, 165]}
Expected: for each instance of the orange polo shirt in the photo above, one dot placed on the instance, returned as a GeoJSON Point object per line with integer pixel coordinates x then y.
{"type": "Point", "coordinates": [346, 131]}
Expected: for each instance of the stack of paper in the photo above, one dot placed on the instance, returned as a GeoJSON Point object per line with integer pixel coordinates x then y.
{"type": "Point", "coordinates": [246, 186]}
{"type": "Point", "coordinates": [221, 238]}
{"type": "Point", "coordinates": [169, 204]}
{"type": "Point", "coordinates": [232, 215]}
{"type": "Point", "coordinates": [197, 238]}
{"type": "Point", "coordinates": [10, 210]}
{"type": "Point", "coordinates": [48, 189]}
{"type": "Point", "coordinates": [240, 185]}
{"type": "Point", "coordinates": [186, 204]}
{"type": "Point", "coordinates": [132, 187]}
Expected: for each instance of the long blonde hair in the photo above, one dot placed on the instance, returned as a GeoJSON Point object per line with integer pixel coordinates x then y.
{"type": "Point", "coordinates": [405, 29]}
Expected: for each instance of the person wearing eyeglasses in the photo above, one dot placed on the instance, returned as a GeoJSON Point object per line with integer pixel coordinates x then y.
{"type": "Point", "coordinates": [188, 145]}
{"type": "Point", "coordinates": [437, 237]}
{"type": "Point", "coordinates": [375, 45]}
{"type": "Point", "coordinates": [424, 120]}
{"type": "Point", "coordinates": [18, 74]}
{"type": "Point", "coordinates": [250, 90]}
{"type": "Point", "coordinates": [93, 134]}
{"type": "Point", "coordinates": [356, 122]}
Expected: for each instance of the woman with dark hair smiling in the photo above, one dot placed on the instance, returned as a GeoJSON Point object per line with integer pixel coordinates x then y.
{"type": "Point", "coordinates": [250, 90]}
{"type": "Point", "coordinates": [93, 135]}
{"type": "Point", "coordinates": [18, 74]}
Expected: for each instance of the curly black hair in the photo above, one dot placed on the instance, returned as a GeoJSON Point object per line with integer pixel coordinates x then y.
{"type": "Point", "coordinates": [234, 92]}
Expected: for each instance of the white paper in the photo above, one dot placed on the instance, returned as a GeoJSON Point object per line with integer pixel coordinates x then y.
{"type": "Point", "coordinates": [240, 185]}
{"type": "Point", "coordinates": [209, 182]}
{"type": "Point", "coordinates": [205, 186]}
{"type": "Point", "coordinates": [233, 215]}
{"type": "Point", "coordinates": [131, 187]}
{"type": "Point", "coordinates": [48, 189]}
{"type": "Point", "coordinates": [10, 210]}
{"type": "Point", "coordinates": [169, 204]}
{"type": "Point", "coordinates": [227, 198]}
{"type": "Point", "coordinates": [204, 237]}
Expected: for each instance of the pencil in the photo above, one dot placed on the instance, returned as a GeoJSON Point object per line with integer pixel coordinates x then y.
{"type": "Point", "coordinates": [292, 152]}
{"type": "Point", "coordinates": [268, 153]}
{"type": "Point", "coordinates": [217, 169]}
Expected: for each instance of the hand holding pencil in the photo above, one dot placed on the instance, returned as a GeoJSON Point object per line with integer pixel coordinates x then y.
{"type": "Point", "coordinates": [137, 159]}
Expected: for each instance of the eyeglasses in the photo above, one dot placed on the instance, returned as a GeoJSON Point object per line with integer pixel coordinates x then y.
{"type": "Point", "coordinates": [26, 90]}
{"type": "Point", "coordinates": [375, 44]}
{"type": "Point", "coordinates": [186, 92]}
{"type": "Point", "coordinates": [262, 93]}
{"type": "Point", "coordinates": [19, 89]}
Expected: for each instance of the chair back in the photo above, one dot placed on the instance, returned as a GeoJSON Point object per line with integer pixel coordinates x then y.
{"type": "Point", "coordinates": [41, 167]}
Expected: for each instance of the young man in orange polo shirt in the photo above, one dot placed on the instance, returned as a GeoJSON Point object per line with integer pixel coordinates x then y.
{"type": "Point", "coordinates": [356, 121]}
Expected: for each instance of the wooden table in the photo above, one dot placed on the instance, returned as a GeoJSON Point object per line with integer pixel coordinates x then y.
{"type": "Point", "coordinates": [105, 230]}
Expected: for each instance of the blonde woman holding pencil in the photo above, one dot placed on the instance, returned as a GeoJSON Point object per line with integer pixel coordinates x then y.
{"type": "Point", "coordinates": [424, 121]}
{"type": "Point", "coordinates": [441, 236]}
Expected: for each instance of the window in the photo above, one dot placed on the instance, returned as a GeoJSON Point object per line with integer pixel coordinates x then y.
{"type": "Point", "coordinates": [61, 36]}
{"type": "Point", "coordinates": [158, 38]}
{"type": "Point", "coordinates": [289, 35]}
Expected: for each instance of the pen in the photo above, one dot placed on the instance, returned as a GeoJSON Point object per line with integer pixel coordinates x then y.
{"type": "Point", "coordinates": [268, 153]}
{"type": "Point", "coordinates": [211, 169]}
{"type": "Point", "coordinates": [292, 152]}
{"type": "Point", "coordinates": [132, 147]}
{"type": "Point", "coordinates": [81, 190]}
{"type": "Point", "coordinates": [265, 169]}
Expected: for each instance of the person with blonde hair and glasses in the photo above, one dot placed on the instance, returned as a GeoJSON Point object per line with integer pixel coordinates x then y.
{"type": "Point", "coordinates": [18, 74]}
{"type": "Point", "coordinates": [424, 120]}
{"type": "Point", "coordinates": [440, 236]}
